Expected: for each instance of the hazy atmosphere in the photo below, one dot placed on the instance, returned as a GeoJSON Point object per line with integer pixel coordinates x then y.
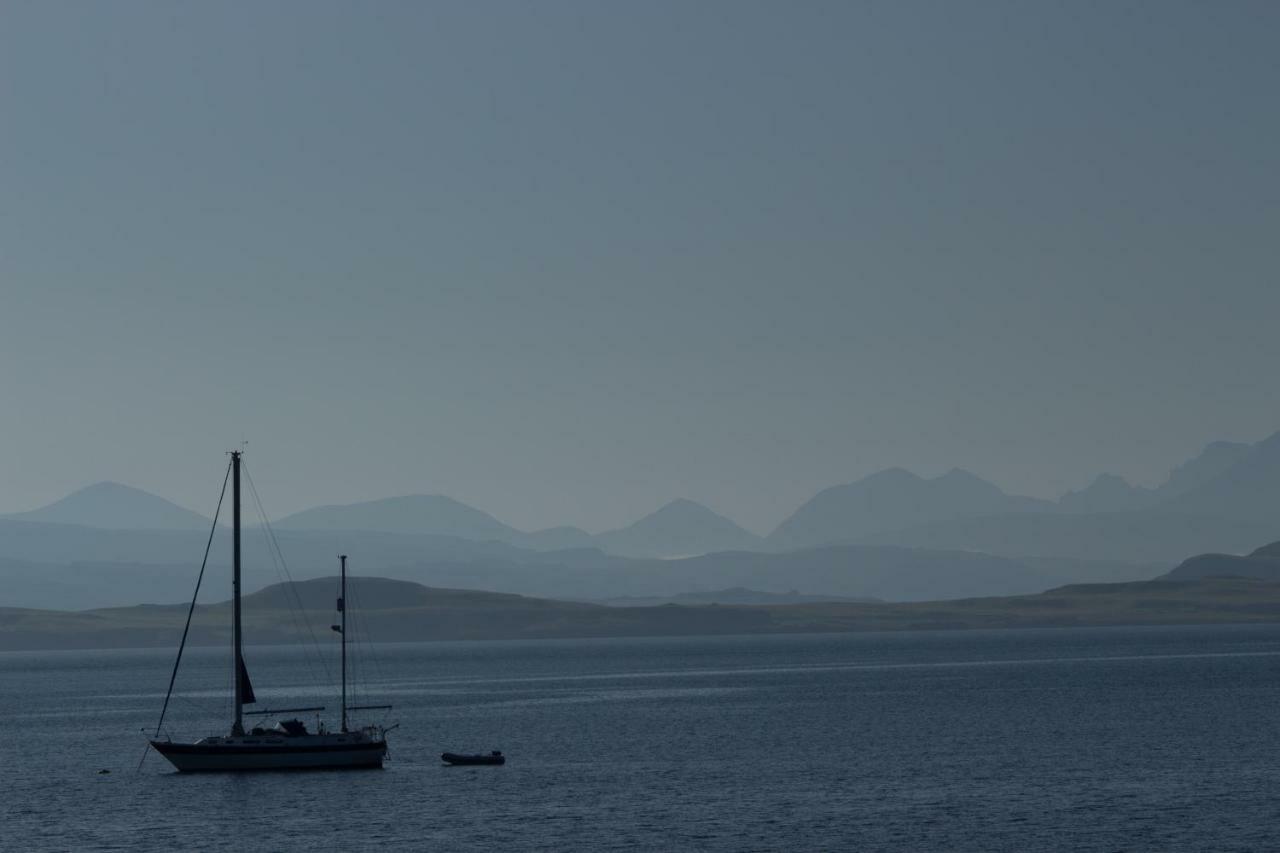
{"type": "Point", "coordinates": [640, 425]}
{"type": "Point", "coordinates": [568, 261]}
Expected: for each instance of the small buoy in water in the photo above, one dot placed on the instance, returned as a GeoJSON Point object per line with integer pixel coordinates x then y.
{"type": "Point", "coordinates": [101, 772]}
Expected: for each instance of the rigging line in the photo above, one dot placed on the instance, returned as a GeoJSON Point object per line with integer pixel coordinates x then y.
{"type": "Point", "coordinates": [366, 652]}
{"type": "Point", "coordinates": [293, 587]}
{"type": "Point", "coordinates": [296, 614]}
{"type": "Point", "coordinates": [361, 679]}
{"type": "Point", "coordinates": [282, 576]}
{"type": "Point", "coordinates": [199, 711]}
{"type": "Point", "coordinates": [190, 610]}
{"type": "Point", "coordinates": [347, 617]}
{"type": "Point", "coordinates": [350, 611]}
{"type": "Point", "coordinates": [281, 570]}
{"type": "Point", "coordinates": [357, 616]}
{"type": "Point", "coordinates": [192, 704]}
{"type": "Point", "coordinates": [271, 554]}
{"type": "Point", "coordinates": [297, 610]}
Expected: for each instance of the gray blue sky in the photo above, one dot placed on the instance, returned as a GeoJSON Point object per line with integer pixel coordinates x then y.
{"type": "Point", "coordinates": [566, 261]}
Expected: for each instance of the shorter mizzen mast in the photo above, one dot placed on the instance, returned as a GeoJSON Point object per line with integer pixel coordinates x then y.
{"type": "Point", "coordinates": [342, 629]}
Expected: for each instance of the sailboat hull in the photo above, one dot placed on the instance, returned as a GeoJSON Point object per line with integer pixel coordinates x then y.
{"type": "Point", "coordinates": [291, 754]}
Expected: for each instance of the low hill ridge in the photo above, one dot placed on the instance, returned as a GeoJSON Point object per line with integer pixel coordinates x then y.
{"type": "Point", "coordinates": [1262, 564]}
{"type": "Point", "coordinates": [1221, 600]}
{"type": "Point", "coordinates": [377, 593]}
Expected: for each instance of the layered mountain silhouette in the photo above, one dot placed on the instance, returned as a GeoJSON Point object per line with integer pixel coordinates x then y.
{"type": "Point", "coordinates": [680, 528]}
{"type": "Point", "coordinates": [892, 535]}
{"type": "Point", "coordinates": [891, 500]}
{"type": "Point", "coordinates": [1249, 488]}
{"type": "Point", "coordinates": [114, 506]}
{"type": "Point", "coordinates": [1107, 493]}
{"type": "Point", "coordinates": [1215, 459]}
{"type": "Point", "coordinates": [555, 539]}
{"type": "Point", "coordinates": [99, 568]}
{"type": "Point", "coordinates": [434, 515]}
{"type": "Point", "coordinates": [1111, 493]}
{"type": "Point", "coordinates": [1226, 499]}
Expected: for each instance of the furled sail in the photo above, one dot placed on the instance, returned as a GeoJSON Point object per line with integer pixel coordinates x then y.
{"type": "Point", "coordinates": [246, 688]}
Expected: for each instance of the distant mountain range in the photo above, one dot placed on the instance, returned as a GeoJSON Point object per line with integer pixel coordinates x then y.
{"type": "Point", "coordinates": [1227, 498]}
{"type": "Point", "coordinates": [64, 566]}
{"type": "Point", "coordinates": [890, 500]}
{"type": "Point", "coordinates": [1247, 489]}
{"type": "Point", "coordinates": [891, 535]}
{"type": "Point", "coordinates": [1107, 493]}
{"type": "Point", "coordinates": [679, 528]}
{"type": "Point", "coordinates": [1110, 493]}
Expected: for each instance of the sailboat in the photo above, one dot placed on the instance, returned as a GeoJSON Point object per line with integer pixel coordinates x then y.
{"type": "Point", "coordinates": [288, 745]}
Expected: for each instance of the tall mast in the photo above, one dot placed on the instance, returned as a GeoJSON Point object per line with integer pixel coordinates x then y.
{"type": "Point", "coordinates": [342, 608]}
{"type": "Point", "coordinates": [237, 728]}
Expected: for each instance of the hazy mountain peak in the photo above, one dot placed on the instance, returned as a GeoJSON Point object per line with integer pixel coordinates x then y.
{"type": "Point", "coordinates": [1229, 481]}
{"type": "Point", "coordinates": [105, 489]}
{"type": "Point", "coordinates": [406, 514]}
{"type": "Point", "coordinates": [1106, 482]}
{"type": "Point", "coordinates": [1211, 462]}
{"type": "Point", "coordinates": [1107, 493]}
{"type": "Point", "coordinates": [965, 485]}
{"type": "Point", "coordinates": [115, 506]}
{"type": "Point", "coordinates": [681, 506]}
{"type": "Point", "coordinates": [678, 528]}
{"type": "Point", "coordinates": [889, 500]}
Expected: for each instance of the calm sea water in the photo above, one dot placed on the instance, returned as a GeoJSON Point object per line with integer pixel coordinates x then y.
{"type": "Point", "coordinates": [1092, 739]}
